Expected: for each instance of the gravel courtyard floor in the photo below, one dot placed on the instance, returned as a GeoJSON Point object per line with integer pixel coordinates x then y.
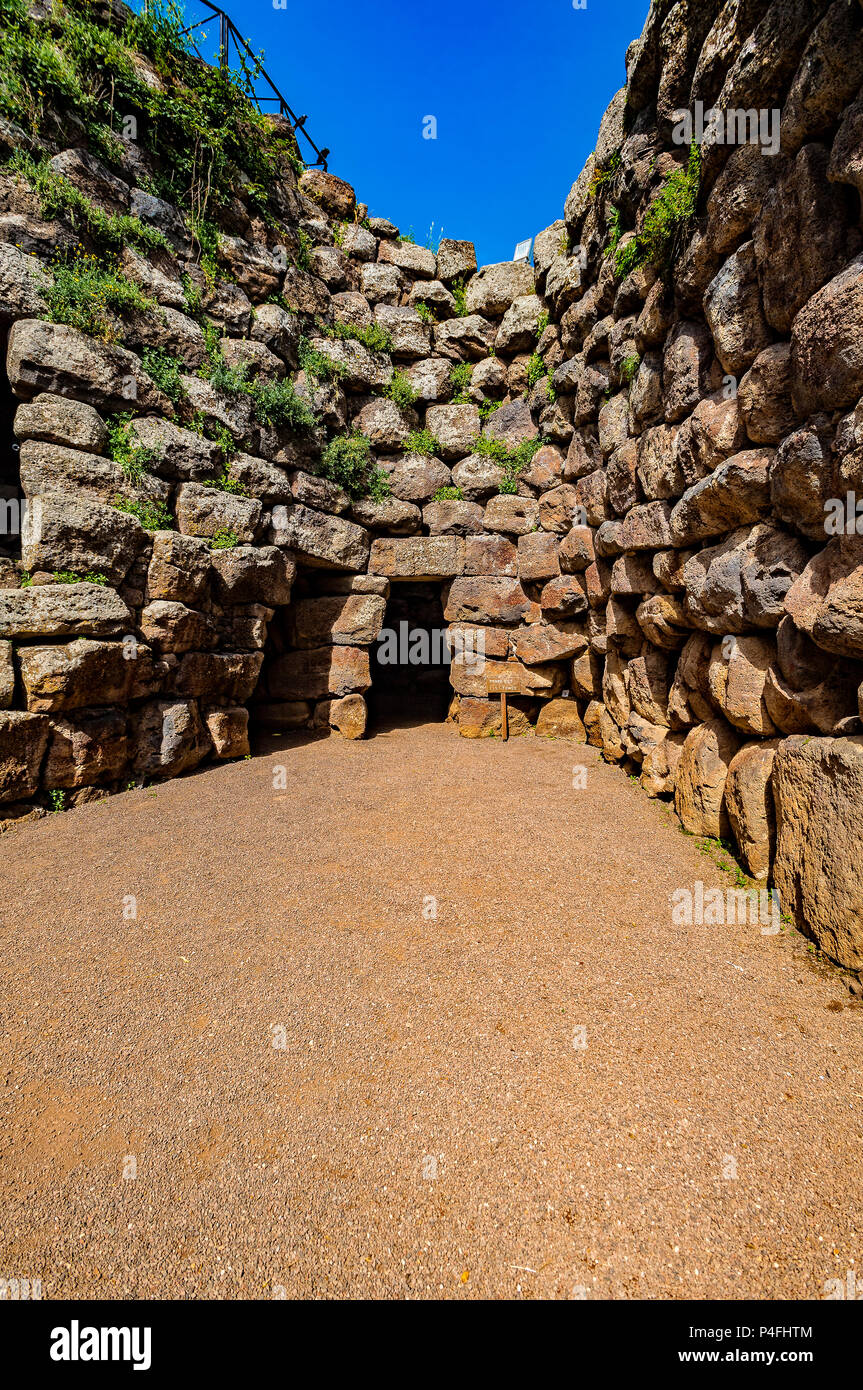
{"type": "Point", "coordinates": [325, 1090]}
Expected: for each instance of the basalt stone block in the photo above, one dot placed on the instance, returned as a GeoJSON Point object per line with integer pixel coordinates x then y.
{"type": "Point", "coordinates": [204, 511]}
{"type": "Point", "coordinates": [318, 672]}
{"type": "Point", "coordinates": [83, 673]}
{"type": "Point", "coordinates": [491, 555]}
{"type": "Point", "coordinates": [418, 557]}
{"type": "Point", "coordinates": [349, 620]}
{"type": "Point", "coordinates": [455, 427]}
{"type": "Point", "coordinates": [168, 737]}
{"type": "Point", "coordinates": [749, 801]}
{"type": "Point", "coordinates": [57, 358]}
{"type": "Point", "coordinates": [224, 675]}
{"type": "Point", "coordinates": [63, 532]}
{"type": "Point", "coordinates": [328, 541]}
{"type": "Point", "coordinates": [541, 642]}
{"type": "Point", "coordinates": [56, 420]}
{"type": "Point", "coordinates": [489, 600]}
{"type": "Point", "coordinates": [86, 747]}
{"type": "Point", "coordinates": [179, 567]}
{"type": "Point", "coordinates": [538, 556]}
{"type": "Point", "coordinates": [228, 729]}
{"type": "Point", "coordinates": [253, 574]}
{"type": "Point", "coordinates": [169, 626]}
{"type": "Point", "coordinates": [818, 790]}
{"type": "Point", "coordinates": [827, 345]}
{"type": "Point", "coordinates": [23, 739]}
{"type": "Point", "coordinates": [453, 517]}
{"type": "Point", "coordinates": [63, 610]}
{"type": "Point", "coordinates": [699, 793]}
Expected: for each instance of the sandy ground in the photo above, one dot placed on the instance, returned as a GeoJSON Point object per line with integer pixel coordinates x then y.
{"type": "Point", "coordinates": [425, 1125]}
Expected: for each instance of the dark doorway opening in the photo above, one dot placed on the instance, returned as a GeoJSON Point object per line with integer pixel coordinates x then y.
{"type": "Point", "coordinates": [10, 467]}
{"type": "Point", "coordinates": [409, 670]}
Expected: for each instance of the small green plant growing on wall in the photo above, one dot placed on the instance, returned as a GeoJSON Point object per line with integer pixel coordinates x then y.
{"type": "Point", "coordinates": [151, 514]}
{"type": "Point", "coordinates": [459, 294]}
{"type": "Point", "coordinates": [666, 222]}
{"type": "Point", "coordinates": [372, 336]}
{"type": "Point", "coordinates": [347, 460]}
{"type": "Point", "coordinates": [449, 494]}
{"type": "Point", "coordinates": [629, 369]}
{"type": "Point", "coordinates": [400, 391]}
{"type": "Point", "coordinates": [166, 372]}
{"type": "Point", "coordinates": [134, 459]}
{"type": "Point", "coordinates": [224, 539]}
{"type": "Point", "coordinates": [88, 293]}
{"type": "Point", "coordinates": [421, 442]}
{"type": "Point", "coordinates": [459, 379]}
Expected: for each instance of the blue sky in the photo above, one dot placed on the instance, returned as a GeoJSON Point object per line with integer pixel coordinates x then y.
{"type": "Point", "coordinates": [517, 88]}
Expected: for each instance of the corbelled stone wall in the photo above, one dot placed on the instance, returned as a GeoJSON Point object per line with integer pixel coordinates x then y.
{"type": "Point", "coordinates": [620, 463]}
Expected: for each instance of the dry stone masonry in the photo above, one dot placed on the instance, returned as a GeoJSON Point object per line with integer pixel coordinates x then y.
{"type": "Point", "coordinates": [633, 466]}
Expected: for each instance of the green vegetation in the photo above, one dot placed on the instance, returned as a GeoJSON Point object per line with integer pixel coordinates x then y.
{"type": "Point", "coordinates": [317, 365]}
{"type": "Point", "coordinates": [165, 371]}
{"type": "Point", "coordinates": [459, 294]}
{"type": "Point", "coordinates": [400, 391]}
{"type": "Point", "coordinates": [70, 577]}
{"type": "Point", "coordinates": [373, 336]}
{"type": "Point", "coordinates": [224, 539]}
{"type": "Point", "coordinates": [275, 402]}
{"type": "Point", "coordinates": [134, 459]}
{"type": "Point", "coordinates": [487, 409]}
{"type": "Point", "coordinates": [629, 369]}
{"type": "Point", "coordinates": [421, 442]}
{"type": "Point", "coordinates": [459, 378]}
{"type": "Point", "coordinates": [109, 231]}
{"type": "Point", "coordinates": [152, 515]}
{"type": "Point", "coordinates": [542, 324]}
{"type": "Point", "coordinates": [199, 121]}
{"type": "Point", "coordinates": [604, 174]}
{"type": "Point", "coordinates": [424, 312]}
{"type": "Point", "coordinates": [535, 370]}
{"type": "Point", "coordinates": [666, 221]}
{"type": "Point", "coordinates": [449, 494]}
{"type": "Point", "coordinates": [225, 483]}
{"type": "Point", "coordinates": [303, 258]}
{"type": "Point", "coordinates": [513, 462]}
{"type": "Point", "coordinates": [58, 800]}
{"type": "Point", "coordinates": [347, 460]}
{"type": "Point", "coordinates": [87, 293]}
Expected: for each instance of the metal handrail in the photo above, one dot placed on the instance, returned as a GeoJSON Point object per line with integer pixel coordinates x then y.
{"type": "Point", "coordinates": [227, 31]}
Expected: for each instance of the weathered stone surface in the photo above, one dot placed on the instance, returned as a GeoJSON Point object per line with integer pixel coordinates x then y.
{"type": "Point", "coordinates": [418, 557]}
{"type": "Point", "coordinates": [411, 337]}
{"type": "Point", "coordinates": [663, 621]}
{"type": "Point", "coordinates": [57, 358]}
{"type": "Point", "coordinates": [23, 284]}
{"type": "Point", "coordinates": [384, 423]}
{"type": "Point", "coordinates": [471, 677]}
{"type": "Point", "coordinates": [63, 532]}
{"type": "Point", "coordinates": [430, 378]}
{"type": "Point", "coordinates": [732, 307]}
{"type": "Point", "coordinates": [749, 802]}
{"type": "Point", "coordinates": [512, 515]}
{"type": "Point", "coordinates": [490, 555]}
{"type": "Point", "coordinates": [742, 582]}
{"type": "Point", "coordinates": [253, 574]}
{"type": "Point", "coordinates": [736, 493]}
{"type": "Point", "coordinates": [179, 567]}
{"type": "Point", "coordinates": [540, 642]}
{"type": "Point", "coordinates": [453, 517]}
{"type": "Point", "coordinates": [685, 360]}
{"type": "Point", "coordinates": [478, 718]}
{"type": "Point", "coordinates": [512, 424]}
{"type": "Point", "coordinates": [349, 620]}
{"type": "Point", "coordinates": [86, 748]}
{"type": "Point", "coordinates": [765, 395]}
{"type": "Point", "coordinates": [563, 596]}
{"type": "Point", "coordinates": [478, 477]}
{"type": "Point", "coordinates": [63, 610]}
{"type": "Point", "coordinates": [561, 719]}
{"type": "Point", "coordinates": [493, 289]}
{"type": "Point", "coordinates": [818, 789]}
{"type": "Point", "coordinates": [564, 506]}
{"type": "Point", "coordinates": [7, 675]}
{"type": "Point", "coordinates": [334, 195]}
{"type": "Point", "coordinates": [488, 600]}
{"type": "Point", "coordinates": [455, 427]}
{"type": "Point", "coordinates": [517, 332]}
{"type": "Point", "coordinates": [456, 260]}
{"type": "Point", "coordinates": [349, 715]}
{"type": "Point", "coordinates": [737, 675]}
{"type": "Point", "coordinates": [647, 685]}
{"type": "Point", "coordinates": [827, 345]}
{"type": "Point", "coordinates": [415, 260]}
{"type": "Point", "coordinates": [86, 672]}
{"type": "Point", "coordinates": [318, 672]}
{"type": "Point", "coordinates": [168, 738]}
{"type": "Point", "coordinates": [204, 511]}
{"type": "Point", "coordinates": [321, 494]}
{"type": "Point", "coordinates": [172, 627]}
{"type": "Point", "coordinates": [359, 369]}
{"type": "Point", "coordinates": [47, 468]}
{"type": "Point", "coordinates": [330, 541]}
{"type": "Point", "coordinates": [416, 477]}
{"type": "Point", "coordinates": [826, 600]}
{"type": "Point", "coordinates": [57, 420]}
{"type": "Point", "coordinates": [577, 551]}
{"type": "Point", "coordinates": [392, 515]}
{"type": "Point", "coordinates": [228, 729]}
{"type": "Point", "coordinates": [659, 767]}
{"type": "Point", "coordinates": [537, 556]}
{"type": "Point", "coordinates": [381, 284]}
{"type": "Point", "coordinates": [23, 739]}
{"type": "Point", "coordinates": [699, 791]}
{"type": "Point", "coordinates": [178, 454]}
{"type": "Point", "coordinates": [228, 675]}
{"type": "Point", "coordinates": [465, 339]}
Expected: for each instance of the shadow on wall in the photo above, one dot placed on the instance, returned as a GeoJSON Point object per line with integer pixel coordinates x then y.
{"type": "Point", "coordinates": [10, 468]}
{"type": "Point", "coordinates": [410, 679]}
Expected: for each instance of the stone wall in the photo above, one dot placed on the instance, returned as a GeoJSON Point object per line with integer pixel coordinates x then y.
{"type": "Point", "coordinates": [639, 473]}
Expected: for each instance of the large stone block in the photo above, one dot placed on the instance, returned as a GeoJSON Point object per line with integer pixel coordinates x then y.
{"type": "Point", "coordinates": [488, 600]}
{"type": "Point", "coordinates": [254, 574]}
{"type": "Point", "coordinates": [84, 673]}
{"type": "Point", "coordinates": [749, 801]}
{"type": "Point", "coordinates": [23, 739]}
{"type": "Point", "coordinates": [699, 792]}
{"type": "Point", "coordinates": [85, 748]}
{"type": "Point", "coordinates": [64, 532]}
{"type": "Point", "coordinates": [204, 511]}
{"type": "Point", "coordinates": [57, 358]}
{"type": "Point", "coordinates": [230, 676]}
{"type": "Point", "coordinates": [818, 791]}
{"type": "Point", "coordinates": [318, 672]}
{"type": "Point", "coordinates": [168, 737]}
{"type": "Point", "coordinates": [329, 541]}
{"type": "Point", "coordinates": [345, 620]}
{"type": "Point", "coordinates": [418, 557]}
{"type": "Point", "coordinates": [63, 610]}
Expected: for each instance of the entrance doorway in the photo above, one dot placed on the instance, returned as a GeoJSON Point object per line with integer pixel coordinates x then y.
{"type": "Point", "coordinates": [409, 670]}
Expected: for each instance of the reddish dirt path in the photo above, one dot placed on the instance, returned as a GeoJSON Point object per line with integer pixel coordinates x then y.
{"type": "Point", "coordinates": [409, 1040]}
